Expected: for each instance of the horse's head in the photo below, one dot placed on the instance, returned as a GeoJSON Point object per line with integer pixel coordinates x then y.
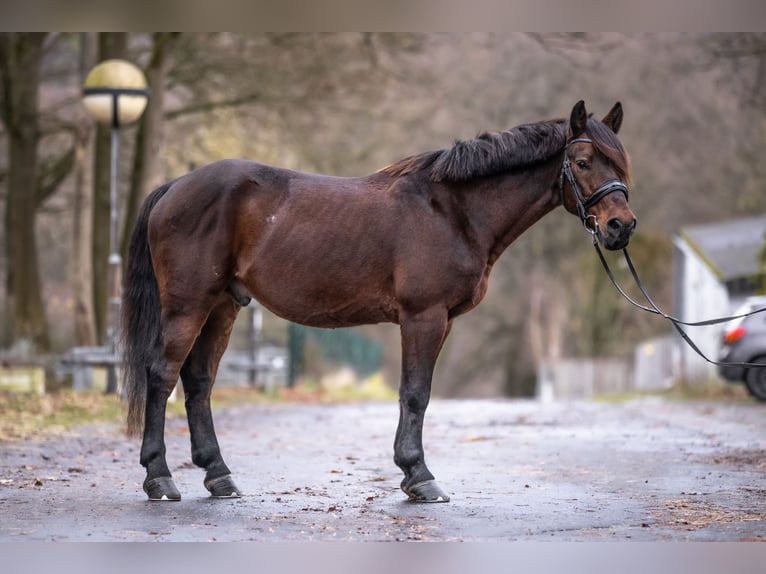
{"type": "Point", "coordinates": [596, 166]}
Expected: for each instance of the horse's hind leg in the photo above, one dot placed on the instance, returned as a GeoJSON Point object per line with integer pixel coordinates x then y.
{"type": "Point", "coordinates": [198, 376]}
{"type": "Point", "coordinates": [179, 332]}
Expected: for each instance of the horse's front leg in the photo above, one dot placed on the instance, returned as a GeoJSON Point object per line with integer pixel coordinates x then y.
{"type": "Point", "coordinates": [422, 337]}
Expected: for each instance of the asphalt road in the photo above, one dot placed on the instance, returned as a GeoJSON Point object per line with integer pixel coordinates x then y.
{"type": "Point", "coordinates": [645, 470]}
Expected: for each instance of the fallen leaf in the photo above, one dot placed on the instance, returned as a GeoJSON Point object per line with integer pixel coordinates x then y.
{"type": "Point", "coordinates": [476, 438]}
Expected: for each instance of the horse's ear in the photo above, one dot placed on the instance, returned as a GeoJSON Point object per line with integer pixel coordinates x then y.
{"type": "Point", "coordinates": [578, 119]}
{"type": "Point", "coordinates": [614, 118]}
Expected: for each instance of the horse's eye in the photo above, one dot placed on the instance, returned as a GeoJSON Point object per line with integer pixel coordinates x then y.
{"type": "Point", "coordinates": [582, 164]}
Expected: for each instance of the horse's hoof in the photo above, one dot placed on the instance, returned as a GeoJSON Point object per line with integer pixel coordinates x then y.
{"type": "Point", "coordinates": [161, 488]}
{"type": "Point", "coordinates": [428, 491]}
{"type": "Point", "coordinates": [223, 487]}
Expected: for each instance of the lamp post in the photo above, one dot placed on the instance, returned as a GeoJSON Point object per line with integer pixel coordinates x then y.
{"type": "Point", "coordinates": [115, 94]}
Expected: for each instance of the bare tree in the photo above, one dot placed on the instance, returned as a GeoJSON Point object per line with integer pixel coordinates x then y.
{"type": "Point", "coordinates": [81, 267]}
{"type": "Point", "coordinates": [148, 171]}
{"type": "Point", "coordinates": [21, 56]}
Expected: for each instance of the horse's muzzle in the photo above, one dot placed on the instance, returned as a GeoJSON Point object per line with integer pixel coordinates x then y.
{"type": "Point", "coordinates": [617, 233]}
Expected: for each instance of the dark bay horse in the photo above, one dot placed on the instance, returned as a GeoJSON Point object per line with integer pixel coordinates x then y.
{"type": "Point", "coordinates": [413, 244]}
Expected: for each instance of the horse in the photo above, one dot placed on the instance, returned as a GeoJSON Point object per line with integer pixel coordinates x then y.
{"type": "Point", "coordinates": [412, 244]}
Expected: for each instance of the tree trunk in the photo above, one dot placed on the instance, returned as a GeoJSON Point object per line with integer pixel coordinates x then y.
{"type": "Point", "coordinates": [81, 268]}
{"type": "Point", "coordinates": [147, 171]}
{"type": "Point", "coordinates": [111, 45]}
{"type": "Point", "coordinates": [21, 56]}
{"type": "Point", "coordinates": [545, 327]}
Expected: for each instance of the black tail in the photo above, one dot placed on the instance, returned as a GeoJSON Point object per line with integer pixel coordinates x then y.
{"type": "Point", "coordinates": [141, 335]}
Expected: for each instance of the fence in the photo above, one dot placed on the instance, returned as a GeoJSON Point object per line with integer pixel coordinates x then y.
{"type": "Point", "coordinates": [583, 378]}
{"type": "Point", "coordinates": [314, 351]}
{"type": "Point", "coordinates": [654, 367]}
{"type": "Point", "coordinates": [657, 363]}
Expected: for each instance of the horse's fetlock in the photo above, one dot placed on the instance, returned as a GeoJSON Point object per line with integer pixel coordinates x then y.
{"type": "Point", "coordinates": [408, 459]}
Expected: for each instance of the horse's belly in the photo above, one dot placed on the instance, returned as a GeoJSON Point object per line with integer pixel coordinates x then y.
{"type": "Point", "coordinates": [329, 314]}
{"type": "Point", "coordinates": [322, 301]}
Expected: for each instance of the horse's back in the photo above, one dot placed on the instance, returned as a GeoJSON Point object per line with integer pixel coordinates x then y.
{"type": "Point", "coordinates": [239, 179]}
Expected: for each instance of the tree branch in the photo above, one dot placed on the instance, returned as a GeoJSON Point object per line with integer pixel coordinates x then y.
{"type": "Point", "coordinates": [204, 107]}
{"type": "Point", "coordinates": [52, 174]}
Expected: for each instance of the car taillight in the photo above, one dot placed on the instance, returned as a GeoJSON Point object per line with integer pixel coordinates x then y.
{"type": "Point", "coordinates": [734, 335]}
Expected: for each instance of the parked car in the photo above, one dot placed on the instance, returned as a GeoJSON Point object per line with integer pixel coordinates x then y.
{"type": "Point", "coordinates": [744, 341]}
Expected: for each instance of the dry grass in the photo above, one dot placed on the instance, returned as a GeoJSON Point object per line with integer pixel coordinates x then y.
{"type": "Point", "coordinates": [27, 416]}
{"type": "Point", "coordinates": [694, 514]}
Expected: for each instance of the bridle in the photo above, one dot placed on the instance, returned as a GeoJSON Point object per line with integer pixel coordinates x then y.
{"type": "Point", "coordinates": [583, 204]}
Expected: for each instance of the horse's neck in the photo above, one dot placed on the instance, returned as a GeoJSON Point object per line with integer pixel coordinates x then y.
{"type": "Point", "coordinates": [509, 205]}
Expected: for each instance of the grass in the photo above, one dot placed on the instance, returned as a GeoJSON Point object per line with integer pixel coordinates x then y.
{"type": "Point", "coordinates": [713, 390]}
{"type": "Point", "coordinates": [26, 416]}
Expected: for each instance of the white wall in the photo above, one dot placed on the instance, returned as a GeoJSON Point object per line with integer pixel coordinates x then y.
{"type": "Point", "coordinates": [699, 295]}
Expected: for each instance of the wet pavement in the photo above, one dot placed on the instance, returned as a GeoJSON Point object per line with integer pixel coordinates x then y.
{"type": "Point", "coordinates": [647, 469]}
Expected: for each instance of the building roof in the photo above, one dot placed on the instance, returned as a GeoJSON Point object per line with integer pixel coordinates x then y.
{"type": "Point", "coordinates": [731, 248]}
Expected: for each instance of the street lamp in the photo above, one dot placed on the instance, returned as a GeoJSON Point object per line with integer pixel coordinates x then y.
{"type": "Point", "coordinates": [115, 94]}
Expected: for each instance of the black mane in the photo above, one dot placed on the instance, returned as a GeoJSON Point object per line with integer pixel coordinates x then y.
{"type": "Point", "coordinates": [495, 153]}
{"type": "Point", "coordinates": [489, 154]}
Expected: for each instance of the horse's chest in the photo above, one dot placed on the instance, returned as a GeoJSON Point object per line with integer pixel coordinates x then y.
{"type": "Point", "coordinates": [472, 294]}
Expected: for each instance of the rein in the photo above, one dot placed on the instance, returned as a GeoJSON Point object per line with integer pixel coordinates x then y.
{"type": "Point", "coordinates": [583, 205]}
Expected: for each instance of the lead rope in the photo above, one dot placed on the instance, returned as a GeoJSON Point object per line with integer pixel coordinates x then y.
{"type": "Point", "coordinates": [657, 311]}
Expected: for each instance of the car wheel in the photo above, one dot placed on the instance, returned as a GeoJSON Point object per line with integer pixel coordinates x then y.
{"type": "Point", "coordinates": [755, 380]}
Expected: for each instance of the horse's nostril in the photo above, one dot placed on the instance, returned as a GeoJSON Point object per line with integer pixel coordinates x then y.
{"type": "Point", "coordinates": [614, 225]}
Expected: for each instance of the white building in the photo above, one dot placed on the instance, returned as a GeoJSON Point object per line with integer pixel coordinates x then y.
{"type": "Point", "coordinates": [716, 266]}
